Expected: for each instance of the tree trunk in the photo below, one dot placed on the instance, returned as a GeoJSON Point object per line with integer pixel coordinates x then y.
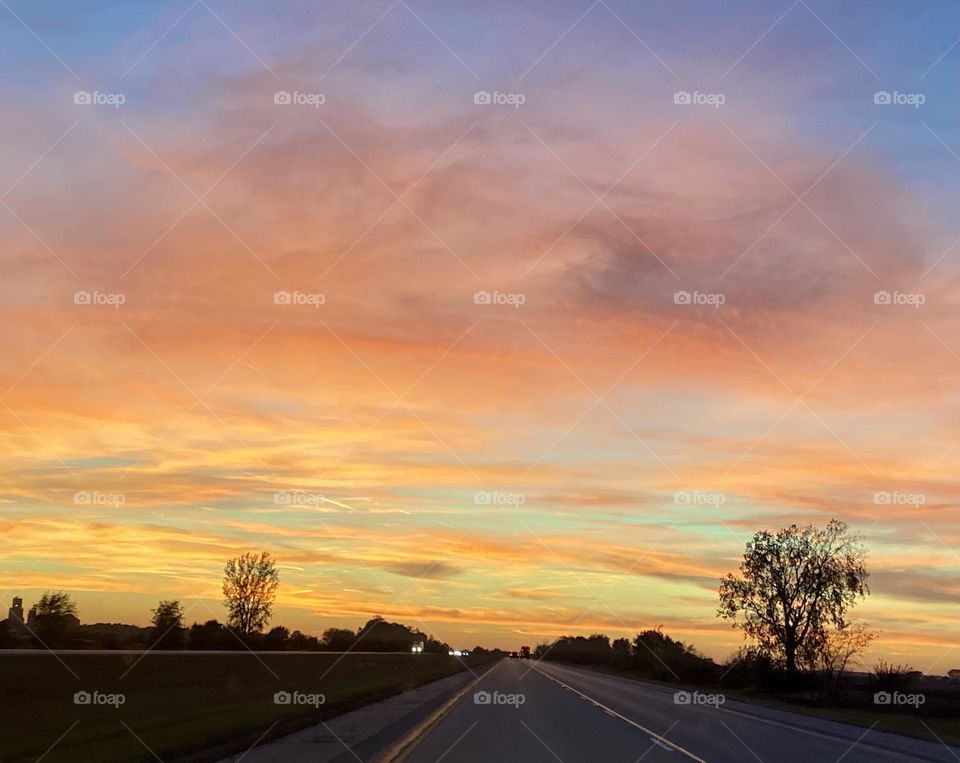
{"type": "Point", "coordinates": [791, 651]}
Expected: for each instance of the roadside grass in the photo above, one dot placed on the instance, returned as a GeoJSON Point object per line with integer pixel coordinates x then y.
{"type": "Point", "coordinates": [186, 706]}
{"type": "Point", "coordinates": [932, 728]}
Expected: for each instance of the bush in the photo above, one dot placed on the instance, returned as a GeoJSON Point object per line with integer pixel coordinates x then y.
{"type": "Point", "coordinates": [886, 676]}
{"type": "Point", "coordinates": [748, 667]}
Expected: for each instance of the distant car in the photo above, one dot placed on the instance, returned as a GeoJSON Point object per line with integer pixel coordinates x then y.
{"type": "Point", "coordinates": [514, 655]}
{"type": "Point", "coordinates": [524, 653]}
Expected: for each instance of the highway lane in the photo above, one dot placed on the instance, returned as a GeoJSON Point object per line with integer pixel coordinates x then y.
{"type": "Point", "coordinates": [548, 725]}
{"type": "Point", "coordinates": [572, 714]}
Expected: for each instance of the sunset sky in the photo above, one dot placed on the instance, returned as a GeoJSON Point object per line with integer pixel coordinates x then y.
{"type": "Point", "coordinates": [587, 452]}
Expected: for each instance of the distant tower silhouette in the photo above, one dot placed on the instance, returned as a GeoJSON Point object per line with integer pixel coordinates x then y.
{"type": "Point", "coordinates": [16, 611]}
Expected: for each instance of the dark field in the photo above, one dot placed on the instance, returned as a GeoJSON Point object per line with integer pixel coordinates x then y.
{"type": "Point", "coordinates": [185, 705]}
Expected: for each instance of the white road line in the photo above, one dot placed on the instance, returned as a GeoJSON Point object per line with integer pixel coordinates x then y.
{"type": "Point", "coordinates": [663, 741]}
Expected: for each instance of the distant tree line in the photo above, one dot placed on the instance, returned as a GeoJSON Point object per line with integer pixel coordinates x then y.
{"type": "Point", "coordinates": [651, 653]}
{"type": "Point", "coordinates": [250, 583]}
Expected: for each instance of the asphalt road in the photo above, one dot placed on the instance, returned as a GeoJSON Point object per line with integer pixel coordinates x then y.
{"type": "Point", "coordinates": [548, 712]}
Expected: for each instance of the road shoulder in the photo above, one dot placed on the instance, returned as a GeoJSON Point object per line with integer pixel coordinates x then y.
{"type": "Point", "coordinates": [364, 732]}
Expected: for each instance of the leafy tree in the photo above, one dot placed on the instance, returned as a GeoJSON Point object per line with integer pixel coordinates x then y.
{"type": "Point", "coordinates": [55, 618]}
{"type": "Point", "coordinates": [301, 643]}
{"type": "Point", "coordinates": [277, 639]}
{"type": "Point", "coordinates": [431, 644]}
{"type": "Point", "coordinates": [249, 589]}
{"type": "Point", "coordinates": [211, 635]}
{"type": "Point", "coordinates": [621, 653]}
{"type": "Point", "coordinates": [793, 585]}
{"type": "Point", "coordinates": [658, 655]}
{"type": "Point", "coordinates": [378, 635]}
{"type": "Point", "coordinates": [338, 639]}
{"type": "Point", "coordinates": [593, 650]}
{"type": "Point", "coordinates": [167, 624]}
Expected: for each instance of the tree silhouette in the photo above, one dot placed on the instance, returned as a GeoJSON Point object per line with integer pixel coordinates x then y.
{"type": "Point", "coordinates": [167, 624]}
{"type": "Point", "coordinates": [55, 618]}
{"type": "Point", "coordinates": [277, 639]}
{"type": "Point", "coordinates": [338, 639]}
{"type": "Point", "coordinates": [794, 584]}
{"type": "Point", "coordinates": [249, 588]}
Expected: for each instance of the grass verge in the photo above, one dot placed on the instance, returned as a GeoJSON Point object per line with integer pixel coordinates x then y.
{"type": "Point", "coordinates": [177, 706]}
